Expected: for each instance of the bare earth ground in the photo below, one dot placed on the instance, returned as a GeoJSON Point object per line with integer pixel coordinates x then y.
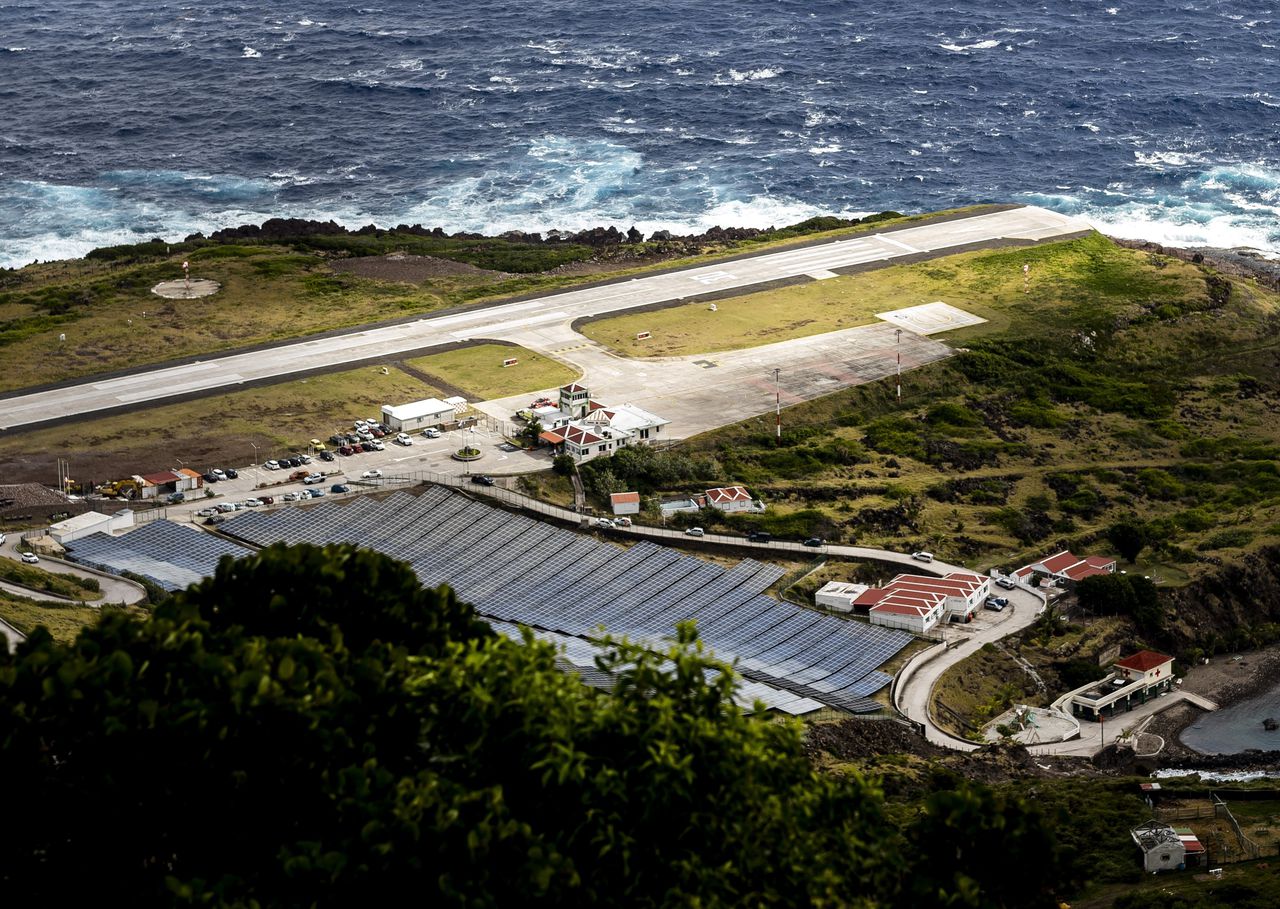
{"type": "Point", "coordinates": [1225, 681]}
{"type": "Point", "coordinates": [410, 269]}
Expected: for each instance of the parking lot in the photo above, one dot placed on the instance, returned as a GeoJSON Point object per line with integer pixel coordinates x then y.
{"type": "Point", "coordinates": [395, 462]}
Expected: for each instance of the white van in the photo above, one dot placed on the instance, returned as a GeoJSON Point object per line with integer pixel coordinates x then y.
{"type": "Point", "coordinates": [431, 433]}
{"type": "Point", "coordinates": [922, 556]}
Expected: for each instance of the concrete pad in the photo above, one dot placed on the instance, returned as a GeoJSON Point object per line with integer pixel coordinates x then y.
{"type": "Point", "coordinates": [930, 318]}
{"type": "Point", "coordinates": [186, 290]}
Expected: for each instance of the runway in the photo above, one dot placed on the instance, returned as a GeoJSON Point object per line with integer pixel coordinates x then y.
{"type": "Point", "coordinates": [540, 324]}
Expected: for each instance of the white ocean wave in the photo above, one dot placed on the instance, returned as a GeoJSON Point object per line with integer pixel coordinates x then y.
{"type": "Point", "coordinates": [965, 48]}
{"type": "Point", "coordinates": [250, 53]}
{"type": "Point", "coordinates": [755, 75]}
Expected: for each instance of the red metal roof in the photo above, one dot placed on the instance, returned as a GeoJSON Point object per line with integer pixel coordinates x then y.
{"type": "Point", "coordinates": [1144, 661]}
{"type": "Point", "coordinates": [870, 596]}
{"type": "Point", "coordinates": [1059, 562]}
{"type": "Point", "coordinates": [723, 495]}
{"type": "Point", "coordinates": [1100, 561]}
{"type": "Point", "coordinates": [1083, 570]}
{"type": "Point", "coordinates": [625, 498]}
{"type": "Point", "coordinates": [553, 437]}
{"type": "Point", "coordinates": [160, 479]}
{"type": "Point", "coordinates": [903, 609]}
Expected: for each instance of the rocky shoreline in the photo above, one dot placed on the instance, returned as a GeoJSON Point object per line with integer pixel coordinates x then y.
{"type": "Point", "coordinates": [1227, 681]}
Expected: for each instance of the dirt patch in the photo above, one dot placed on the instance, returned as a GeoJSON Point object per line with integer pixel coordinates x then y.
{"type": "Point", "coordinates": [406, 269]}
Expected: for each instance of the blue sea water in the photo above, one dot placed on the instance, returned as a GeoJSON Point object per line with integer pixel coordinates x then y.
{"type": "Point", "coordinates": [123, 120]}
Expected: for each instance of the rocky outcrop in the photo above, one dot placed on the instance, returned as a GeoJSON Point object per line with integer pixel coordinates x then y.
{"type": "Point", "coordinates": [1225, 609]}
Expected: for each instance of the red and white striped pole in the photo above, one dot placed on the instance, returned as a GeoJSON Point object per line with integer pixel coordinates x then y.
{"type": "Point", "coordinates": [898, 332]}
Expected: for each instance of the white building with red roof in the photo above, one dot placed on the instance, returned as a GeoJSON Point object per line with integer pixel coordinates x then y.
{"type": "Point", "coordinates": [917, 603]}
{"type": "Point", "coordinates": [625, 502]}
{"type": "Point", "coordinates": [733, 498]}
{"type": "Point", "coordinates": [1067, 567]}
{"type": "Point", "coordinates": [1132, 682]}
{"type": "Point", "coordinates": [586, 429]}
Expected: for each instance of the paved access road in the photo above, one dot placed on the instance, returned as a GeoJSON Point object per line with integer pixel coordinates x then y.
{"type": "Point", "coordinates": [114, 589]}
{"type": "Point", "coordinates": [527, 319]}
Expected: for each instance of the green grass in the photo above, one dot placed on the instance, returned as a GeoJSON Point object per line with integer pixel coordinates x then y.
{"type": "Point", "coordinates": [36, 578]}
{"type": "Point", "coordinates": [479, 372]}
{"type": "Point", "coordinates": [64, 621]}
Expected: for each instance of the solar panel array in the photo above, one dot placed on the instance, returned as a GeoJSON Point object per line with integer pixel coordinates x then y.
{"type": "Point", "coordinates": [579, 656]}
{"type": "Point", "coordinates": [517, 570]}
{"type": "Point", "coordinates": [171, 555]}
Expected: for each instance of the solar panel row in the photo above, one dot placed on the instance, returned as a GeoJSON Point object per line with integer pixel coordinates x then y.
{"type": "Point", "coordinates": [518, 570]}
{"type": "Point", "coordinates": [168, 554]}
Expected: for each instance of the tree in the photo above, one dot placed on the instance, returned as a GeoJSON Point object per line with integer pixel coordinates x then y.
{"type": "Point", "coordinates": [1129, 537]}
{"type": "Point", "coordinates": [531, 432]}
{"type": "Point", "coordinates": [1123, 594]}
{"type": "Point", "coordinates": [312, 727]}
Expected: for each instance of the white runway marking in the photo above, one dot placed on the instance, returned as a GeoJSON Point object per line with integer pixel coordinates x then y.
{"type": "Point", "coordinates": [892, 242]}
{"type": "Point", "coordinates": [930, 318]}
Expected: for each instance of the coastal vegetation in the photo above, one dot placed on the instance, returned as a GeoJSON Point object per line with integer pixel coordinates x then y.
{"type": "Point", "coordinates": [35, 578]}
{"type": "Point", "coordinates": [1118, 397]}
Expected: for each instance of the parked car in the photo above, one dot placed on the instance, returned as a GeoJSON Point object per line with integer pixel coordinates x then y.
{"type": "Point", "coordinates": [313, 478]}
{"type": "Point", "coordinates": [815, 541]}
{"type": "Point", "coordinates": [339, 488]}
{"type": "Point", "coordinates": [378, 446]}
{"type": "Point", "coordinates": [210, 478]}
{"type": "Point", "coordinates": [176, 498]}
{"type": "Point", "coordinates": [622, 522]}
{"type": "Point", "coordinates": [252, 503]}
{"type": "Point", "coordinates": [1007, 583]}
{"type": "Point", "coordinates": [30, 558]}
{"type": "Point", "coordinates": [367, 446]}
{"type": "Point", "coordinates": [922, 556]}
{"type": "Point", "coordinates": [206, 512]}
{"type": "Point", "coordinates": [326, 455]}
{"type": "Point", "coordinates": [377, 432]}
{"type": "Point", "coordinates": [338, 439]}
{"type": "Point", "coordinates": [365, 435]}
{"type": "Point", "coordinates": [221, 475]}
{"type": "Point", "coordinates": [293, 496]}
{"type": "Point", "coordinates": [759, 536]}
{"type": "Point", "coordinates": [302, 458]}
{"type": "Point", "coordinates": [215, 519]}
{"type": "Point", "coordinates": [231, 473]}
{"type": "Point", "coordinates": [316, 492]}
{"type": "Point", "coordinates": [372, 474]}
{"type": "Point", "coordinates": [403, 439]}
{"type": "Point", "coordinates": [482, 480]}
{"type": "Point", "coordinates": [996, 604]}
{"type": "Point", "coordinates": [346, 451]}
{"type": "Point", "coordinates": [226, 507]}
{"type": "Point", "coordinates": [317, 445]}
{"type": "Point", "coordinates": [695, 532]}
{"type": "Point", "coordinates": [603, 522]}
{"type": "Point", "coordinates": [431, 433]}
{"type": "Point", "coordinates": [273, 464]}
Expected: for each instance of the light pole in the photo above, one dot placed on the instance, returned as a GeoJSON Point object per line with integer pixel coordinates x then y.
{"type": "Point", "coordinates": [898, 333]}
{"type": "Point", "coordinates": [777, 403]}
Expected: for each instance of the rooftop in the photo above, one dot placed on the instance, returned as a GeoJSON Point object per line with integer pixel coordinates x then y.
{"type": "Point", "coordinates": [1144, 661]}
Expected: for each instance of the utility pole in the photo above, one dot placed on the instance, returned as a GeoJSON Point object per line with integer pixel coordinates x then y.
{"type": "Point", "coordinates": [898, 333]}
{"type": "Point", "coordinates": [777, 400]}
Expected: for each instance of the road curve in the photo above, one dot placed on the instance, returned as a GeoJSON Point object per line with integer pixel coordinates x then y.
{"type": "Point", "coordinates": [1026, 224]}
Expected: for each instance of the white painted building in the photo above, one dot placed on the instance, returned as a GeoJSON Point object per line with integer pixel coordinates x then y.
{"type": "Point", "coordinates": [908, 610]}
{"type": "Point", "coordinates": [417, 415]}
{"type": "Point", "coordinates": [586, 429]}
{"type": "Point", "coordinates": [733, 499]}
{"type": "Point", "coordinates": [625, 502]}
{"type": "Point", "coordinates": [81, 525]}
{"type": "Point", "coordinates": [838, 596]}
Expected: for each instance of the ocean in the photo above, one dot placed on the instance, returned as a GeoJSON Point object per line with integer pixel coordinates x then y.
{"type": "Point", "coordinates": [123, 120]}
{"type": "Point", "coordinates": [1237, 728]}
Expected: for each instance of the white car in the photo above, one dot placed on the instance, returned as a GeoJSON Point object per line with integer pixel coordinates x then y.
{"type": "Point", "coordinates": [218, 473]}
{"type": "Point", "coordinates": [603, 522]}
{"type": "Point", "coordinates": [30, 558]}
{"type": "Point", "coordinates": [312, 479]}
{"type": "Point", "coordinates": [403, 439]}
{"type": "Point", "coordinates": [273, 464]}
{"type": "Point", "coordinates": [621, 522]}
{"type": "Point", "coordinates": [372, 474]}
{"type": "Point", "coordinates": [305, 459]}
{"type": "Point", "coordinates": [378, 446]}
{"type": "Point", "coordinates": [253, 503]}
{"type": "Point", "coordinates": [695, 532]}
{"type": "Point", "coordinates": [432, 433]}
{"type": "Point", "coordinates": [226, 507]}
{"type": "Point", "coordinates": [922, 556]}
{"type": "Point", "coordinates": [206, 512]}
